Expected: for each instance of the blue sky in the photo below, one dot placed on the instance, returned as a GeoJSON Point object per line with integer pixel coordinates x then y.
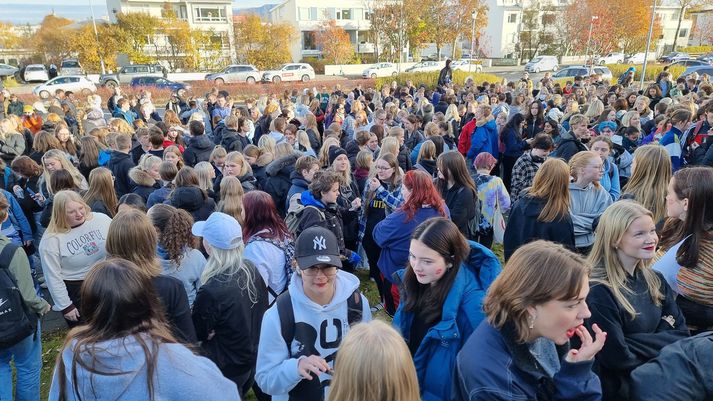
{"type": "Point", "coordinates": [32, 11]}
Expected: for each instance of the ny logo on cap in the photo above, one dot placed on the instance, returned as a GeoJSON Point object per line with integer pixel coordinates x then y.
{"type": "Point", "coordinates": [320, 243]}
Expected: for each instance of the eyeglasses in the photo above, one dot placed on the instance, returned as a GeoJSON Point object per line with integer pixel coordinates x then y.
{"type": "Point", "coordinates": [382, 168]}
{"type": "Point", "coordinates": [315, 270]}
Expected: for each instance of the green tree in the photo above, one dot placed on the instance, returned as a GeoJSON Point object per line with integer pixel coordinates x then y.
{"type": "Point", "coordinates": [260, 44]}
{"type": "Point", "coordinates": [335, 43]}
{"type": "Point", "coordinates": [137, 29]}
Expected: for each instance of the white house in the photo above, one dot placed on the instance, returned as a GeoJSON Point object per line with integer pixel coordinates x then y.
{"type": "Point", "coordinates": [668, 17]}
{"type": "Point", "coordinates": [208, 15]}
{"type": "Point", "coordinates": [306, 16]}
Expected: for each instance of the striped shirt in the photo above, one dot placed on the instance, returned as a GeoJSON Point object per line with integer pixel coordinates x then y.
{"type": "Point", "coordinates": [696, 284]}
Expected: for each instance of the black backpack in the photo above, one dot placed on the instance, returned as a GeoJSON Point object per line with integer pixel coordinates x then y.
{"type": "Point", "coordinates": [16, 321]}
{"type": "Point", "coordinates": [310, 390]}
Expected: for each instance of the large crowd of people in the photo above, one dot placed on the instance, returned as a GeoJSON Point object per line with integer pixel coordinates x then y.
{"type": "Point", "coordinates": [212, 249]}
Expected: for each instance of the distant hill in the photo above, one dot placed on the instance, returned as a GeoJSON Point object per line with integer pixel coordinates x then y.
{"type": "Point", "coordinates": [261, 11]}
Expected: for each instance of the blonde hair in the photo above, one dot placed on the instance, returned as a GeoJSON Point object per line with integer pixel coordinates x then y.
{"type": "Point", "coordinates": [120, 125]}
{"type": "Point", "coordinates": [427, 151]}
{"type": "Point", "coordinates": [580, 161]}
{"type": "Point", "coordinates": [231, 198]}
{"type": "Point", "coordinates": [101, 188]}
{"type": "Point", "coordinates": [625, 119]}
{"type": "Point", "coordinates": [218, 151]}
{"type": "Point", "coordinates": [595, 109]}
{"type": "Point", "coordinates": [389, 145]}
{"type": "Point", "coordinates": [174, 149]}
{"type": "Point", "coordinates": [608, 269]}
{"type": "Point", "coordinates": [58, 221]}
{"type": "Point", "coordinates": [538, 272]}
{"type": "Point", "coordinates": [206, 174]}
{"type": "Point", "coordinates": [551, 183]}
{"type": "Point", "coordinates": [230, 262]}
{"type": "Point", "coordinates": [283, 149]}
{"type": "Point", "coordinates": [324, 151]}
{"type": "Point", "coordinates": [364, 159]}
{"type": "Point", "coordinates": [239, 159]}
{"type": "Point", "coordinates": [649, 179]}
{"type": "Point", "coordinates": [368, 350]}
{"type": "Point", "coordinates": [79, 180]}
{"type": "Point", "coordinates": [267, 144]}
{"type": "Point", "coordinates": [133, 237]}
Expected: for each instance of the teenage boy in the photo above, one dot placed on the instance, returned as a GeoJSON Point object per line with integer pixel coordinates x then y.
{"type": "Point", "coordinates": [120, 163]}
{"type": "Point", "coordinates": [301, 177]}
{"type": "Point", "coordinates": [574, 141]}
{"type": "Point", "coordinates": [302, 331]}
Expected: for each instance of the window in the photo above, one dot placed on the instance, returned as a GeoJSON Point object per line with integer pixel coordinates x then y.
{"type": "Point", "coordinates": [309, 40]}
{"type": "Point", "coordinates": [683, 33]}
{"type": "Point", "coordinates": [548, 19]}
{"type": "Point", "coordinates": [213, 14]}
{"type": "Point", "coordinates": [344, 13]}
{"type": "Point", "coordinates": [219, 39]}
{"type": "Point", "coordinates": [142, 69]}
{"type": "Point", "coordinates": [128, 70]}
{"type": "Point", "coordinates": [303, 14]}
{"type": "Point", "coordinates": [512, 18]}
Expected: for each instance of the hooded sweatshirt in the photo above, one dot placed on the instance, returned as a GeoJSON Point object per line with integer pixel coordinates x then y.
{"type": "Point", "coordinates": [586, 206]}
{"type": "Point", "coordinates": [484, 138]}
{"type": "Point", "coordinates": [189, 271]}
{"type": "Point", "coordinates": [193, 200]}
{"type": "Point", "coordinates": [179, 374]}
{"type": "Point", "coordinates": [276, 372]}
{"type": "Point", "coordinates": [199, 149]}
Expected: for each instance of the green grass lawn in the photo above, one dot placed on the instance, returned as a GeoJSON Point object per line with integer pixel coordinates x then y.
{"type": "Point", "coordinates": [52, 342]}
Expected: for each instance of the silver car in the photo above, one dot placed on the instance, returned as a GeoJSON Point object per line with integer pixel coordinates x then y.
{"type": "Point", "coordinates": [236, 73]}
{"type": "Point", "coordinates": [71, 67]}
{"type": "Point", "coordinates": [6, 70]}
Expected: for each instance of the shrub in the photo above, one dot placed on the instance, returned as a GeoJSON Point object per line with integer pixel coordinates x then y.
{"type": "Point", "coordinates": [652, 71]}
{"type": "Point", "coordinates": [430, 79]}
{"type": "Point", "coordinates": [696, 49]}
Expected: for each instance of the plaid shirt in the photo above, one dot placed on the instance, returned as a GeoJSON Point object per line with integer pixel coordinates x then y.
{"type": "Point", "coordinates": [523, 172]}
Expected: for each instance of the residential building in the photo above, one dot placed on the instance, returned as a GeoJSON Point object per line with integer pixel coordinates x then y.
{"type": "Point", "coordinates": [668, 16]}
{"type": "Point", "coordinates": [306, 17]}
{"type": "Point", "coordinates": [215, 16]}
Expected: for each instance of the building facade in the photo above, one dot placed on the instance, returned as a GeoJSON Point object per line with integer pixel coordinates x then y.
{"type": "Point", "coordinates": [306, 17]}
{"type": "Point", "coordinates": [215, 16]}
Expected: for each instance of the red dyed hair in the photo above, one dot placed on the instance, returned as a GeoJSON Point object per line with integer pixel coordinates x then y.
{"type": "Point", "coordinates": [261, 214]}
{"type": "Point", "coordinates": [423, 193]}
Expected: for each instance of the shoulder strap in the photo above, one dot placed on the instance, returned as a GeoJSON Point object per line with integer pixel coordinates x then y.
{"type": "Point", "coordinates": [6, 255]}
{"type": "Point", "coordinates": [354, 309]}
{"type": "Point", "coordinates": [287, 319]}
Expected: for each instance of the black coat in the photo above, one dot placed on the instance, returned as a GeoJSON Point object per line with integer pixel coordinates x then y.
{"type": "Point", "coordinates": [142, 184]}
{"type": "Point", "coordinates": [223, 306]}
{"type": "Point", "coordinates": [278, 181]}
{"type": "Point", "coordinates": [523, 226]}
{"type": "Point", "coordinates": [461, 202]}
{"type": "Point", "coordinates": [233, 141]}
{"type": "Point", "coordinates": [568, 147]}
{"type": "Point", "coordinates": [174, 300]}
{"type": "Point", "coordinates": [120, 164]}
{"type": "Point", "coordinates": [193, 200]}
{"type": "Point", "coordinates": [198, 150]}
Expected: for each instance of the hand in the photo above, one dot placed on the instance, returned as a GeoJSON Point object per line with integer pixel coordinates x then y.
{"type": "Point", "coordinates": [46, 309]}
{"type": "Point", "coordinates": [311, 364]}
{"type": "Point", "coordinates": [27, 243]}
{"type": "Point", "coordinates": [374, 184]}
{"type": "Point", "coordinates": [72, 315]}
{"type": "Point", "coordinates": [39, 198]}
{"type": "Point", "coordinates": [356, 203]}
{"type": "Point", "coordinates": [695, 145]}
{"type": "Point", "coordinates": [589, 347]}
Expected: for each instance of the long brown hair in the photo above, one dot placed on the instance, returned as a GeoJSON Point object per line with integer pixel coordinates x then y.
{"type": "Point", "coordinates": [453, 167]}
{"type": "Point", "coordinates": [118, 301]}
{"type": "Point", "coordinates": [551, 183]}
{"type": "Point", "coordinates": [101, 188]}
{"type": "Point", "coordinates": [132, 237]}
{"type": "Point", "coordinates": [538, 272]}
{"type": "Point", "coordinates": [444, 237]}
{"type": "Point", "coordinates": [174, 229]}
{"type": "Point", "coordinates": [649, 179]}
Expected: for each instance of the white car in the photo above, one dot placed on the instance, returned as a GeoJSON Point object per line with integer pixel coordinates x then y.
{"type": "Point", "coordinates": [467, 65]}
{"type": "Point", "coordinates": [236, 73]}
{"type": "Point", "coordinates": [638, 58]}
{"type": "Point", "coordinates": [74, 83]}
{"type": "Point", "coordinates": [611, 58]}
{"type": "Point", "coordinates": [380, 70]}
{"type": "Point", "coordinates": [36, 72]}
{"type": "Point", "coordinates": [289, 72]}
{"type": "Point", "coordinates": [426, 66]}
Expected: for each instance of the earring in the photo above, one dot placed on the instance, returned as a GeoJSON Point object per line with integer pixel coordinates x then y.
{"type": "Point", "coordinates": [531, 321]}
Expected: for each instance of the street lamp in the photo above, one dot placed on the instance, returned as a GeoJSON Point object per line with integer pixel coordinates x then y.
{"type": "Point", "coordinates": [96, 35]}
{"type": "Point", "coordinates": [648, 44]}
{"type": "Point", "coordinates": [591, 25]}
{"type": "Point", "coordinates": [473, 15]}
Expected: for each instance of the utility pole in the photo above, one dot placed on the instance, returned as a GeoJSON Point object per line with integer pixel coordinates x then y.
{"type": "Point", "coordinates": [589, 40]}
{"type": "Point", "coordinates": [401, 35]}
{"type": "Point", "coordinates": [96, 35]}
{"type": "Point", "coordinates": [473, 15]}
{"type": "Point", "coordinates": [648, 44]}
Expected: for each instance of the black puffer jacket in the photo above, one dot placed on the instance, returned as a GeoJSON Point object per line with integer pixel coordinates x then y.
{"type": "Point", "coordinates": [278, 180]}
{"type": "Point", "coordinates": [233, 141]}
{"type": "Point", "coordinates": [320, 215]}
{"type": "Point", "coordinates": [198, 150]}
{"type": "Point", "coordinates": [193, 200]}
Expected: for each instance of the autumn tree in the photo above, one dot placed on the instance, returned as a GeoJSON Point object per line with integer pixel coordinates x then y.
{"type": "Point", "coordinates": [385, 26]}
{"type": "Point", "coordinates": [335, 43]}
{"type": "Point", "coordinates": [9, 39]}
{"type": "Point", "coordinates": [136, 31]}
{"type": "Point", "coordinates": [683, 5]}
{"type": "Point", "coordinates": [263, 45]}
{"type": "Point", "coordinates": [51, 41]}
{"type": "Point", "coordinates": [90, 50]}
{"type": "Point", "coordinates": [460, 21]}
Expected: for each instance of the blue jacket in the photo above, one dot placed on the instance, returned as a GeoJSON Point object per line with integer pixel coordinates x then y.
{"type": "Point", "coordinates": [128, 115]}
{"type": "Point", "coordinates": [485, 139]}
{"type": "Point", "coordinates": [462, 312]}
{"type": "Point", "coordinates": [514, 144]}
{"type": "Point", "coordinates": [16, 226]}
{"type": "Point", "coordinates": [492, 366]}
{"type": "Point", "coordinates": [610, 179]}
{"type": "Point", "coordinates": [393, 235]}
{"type": "Point", "coordinates": [671, 140]}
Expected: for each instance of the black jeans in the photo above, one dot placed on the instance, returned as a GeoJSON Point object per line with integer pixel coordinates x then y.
{"type": "Point", "coordinates": [699, 317]}
{"type": "Point", "coordinates": [485, 237]}
{"type": "Point", "coordinates": [373, 252]}
{"type": "Point", "coordinates": [74, 293]}
{"type": "Point", "coordinates": [508, 163]}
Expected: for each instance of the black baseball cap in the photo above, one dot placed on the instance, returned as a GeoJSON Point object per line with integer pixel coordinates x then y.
{"type": "Point", "coordinates": [317, 246]}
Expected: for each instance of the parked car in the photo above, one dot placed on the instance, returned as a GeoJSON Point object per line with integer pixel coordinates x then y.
{"type": "Point", "coordinates": [6, 70]}
{"type": "Point", "coordinates": [426, 66]}
{"type": "Point", "coordinates": [160, 83]}
{"type": "Point", "coordinates": [74, 83]}
{"type": "Point", "coordinates": [467, 65]}
{"type": "Point", "coordinates": [127, 73]}
{"type": "Point", "coordinates": [688, 63]}
{"type": "Point", "coordinates": [380, 70]}
{"type": "Point", "coordinates": [542, 63]}
{"type": "Point", "coordinates": [700, 69]}
{"type": "Point", "coordinates": [638, 58]}
{"type": "Point", "coordinates": [289, 72]}
{"type": "Point", "coordinates": [71, 67]}
{"type": "Point", "coordinates": [236, 73]}
{"type": "Point", "coordinates": [583, 70]}
{"type": "Point", "coordinates": [674, 56]}
{"type": "Point", "coordinates": [611, 58]}
{"type": "Point", "coordinates": [36, 72]}
{"type": "Point", "coordinates": [708, 57]}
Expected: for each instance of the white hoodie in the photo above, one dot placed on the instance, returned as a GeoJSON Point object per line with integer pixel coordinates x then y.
{"type": "Point", "coordinates": [276, 374]}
